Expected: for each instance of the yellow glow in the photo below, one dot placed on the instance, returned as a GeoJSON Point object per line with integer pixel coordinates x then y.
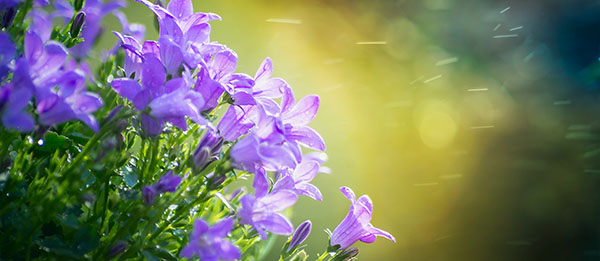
{"type": "Point", "coordinates": [437, 127]}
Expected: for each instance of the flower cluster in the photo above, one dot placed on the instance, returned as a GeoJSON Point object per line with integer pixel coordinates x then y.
{"type": "Point", "coordinates": [165, 93]}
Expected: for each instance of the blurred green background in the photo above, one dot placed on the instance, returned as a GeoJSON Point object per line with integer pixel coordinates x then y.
{"type": "Point", "coordinates": [471, 124]}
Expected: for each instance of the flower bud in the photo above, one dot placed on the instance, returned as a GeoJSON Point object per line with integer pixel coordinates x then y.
{"type": "Point", "coordinates": [215, 182]}
{"type": "Point", "coordinates": [117, 249]}
{"type": "Point", "coordinates": [301, 233]}
{"type": "Point", "coordinates": [77, 24]}
{"type": "Point", "coordinates": [208, 146]}
{"type": "Point", "coordinates": [78, 4]}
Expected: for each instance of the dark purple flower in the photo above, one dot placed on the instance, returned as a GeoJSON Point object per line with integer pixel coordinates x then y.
{"type": "Point", "coordinates": [209, 243]}
{"type": "Point", "coordinates": [148, 194]}
{"type": "Point", "coordinates": [301, 233]}
{"type": "Point", "coordinates": [357, 224]}
{"type": "Point", "coordinates": [117, 249]}
{"type": "Point", "coordinates": [262, 212]}
{"type": "Point", "coordinates": [167, 183]}
{"type": "Point", "coordinates": [298, 180]}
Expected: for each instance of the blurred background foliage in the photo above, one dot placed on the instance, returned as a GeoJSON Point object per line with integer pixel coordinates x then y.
{"type": "Point", "coordinates": [472, 124]}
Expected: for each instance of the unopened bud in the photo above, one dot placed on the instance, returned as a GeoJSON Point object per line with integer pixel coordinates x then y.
{"type": "Point", "coordinates": [117, 249]}
{"type": "Point", "coordinates": [301, 233]}
{"type": "Point", "coordinates": [77, 24]}
{"type": "Point", "coordinates": [216, 181]}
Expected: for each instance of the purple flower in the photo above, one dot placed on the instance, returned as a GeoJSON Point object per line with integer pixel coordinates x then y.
{"type": "Point", "coordinates": [357, 224]}
{"type": "Point", "coordinates": [148, 194]}
{"type": "Point", "coordinates": [301, 233]}
{"type": "Point", "coordinates": [40, 72]}
{"type": "Point", "coordinates": [166, 183]}
{"type": "Point", "coordinates": [262, 212]}
{"type": "Point", "coordinates": [298, 180]}
{"type": "Point", "coordinates": [209, 243]}
{"type": "Point", "coordinates": [171, 101]}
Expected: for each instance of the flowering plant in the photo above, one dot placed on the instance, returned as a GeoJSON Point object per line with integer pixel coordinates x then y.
{"type": "Point", "coordinates": [134, 160]}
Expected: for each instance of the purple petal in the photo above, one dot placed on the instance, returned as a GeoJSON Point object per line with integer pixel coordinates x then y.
{"type": "Point", "coordinates": [348, 193]}
{"type": "Point", "coordinates": [189, 250]}
{"type": "Point", "coordinates": [141, 99]}
{"type": "Point", "coordinates": [279, 200]}
{"type": "Point", "coordinates": [244, 151]}
{"type": "Point", "coordinates": [222, 64]}
{"type": "Point", "coordinates": [34, 47]}
{"type": "Point", "coordinates": [195, 19]}
{"type": "Point", "coordinates": [306, 171]}
{"type": "Point", "coordinates": [198, 33]}
{"type": "Point", "coordinates": [153, 73]}
{"type": "Point", "coordinates": [277, 156]}
{"type": "Point", "coordinates": [170, 53]}
{"type": "Point", "coordinates": [86, 102]}
{"type": "Point", "coordinates": [309, 190]}
{"type": "Point", "coordinates": [264, 70]}
{"type": "Point", "coordinates": [260, 183]}
{"type": "Point", "coordinates": [168, 26]}
{"type": "Point", "coordinates": [303, 112]}
{"type": "Point", "coordinates": [287, 100]}
{"type": "Point", "coordinates": [53, 58]}
{"type": "Point", "coordinates": [158, 10]}
{"type": "Point", "coordinates": [20, 121]}
{"type": "Point", "coordinates": [234, 123]}
{"type": "Point", "coordinates": [200, 227]}
{"type": "Point", "coordinates": [162, 107]}
{"type": "Point", "coordinates": [210, 89]}
{"type": "Point", "coordinates": [284, 183]}
{"type": "Point", "coordinates": [89, 120]}
{"type": "Point", "coordinates": [226, 250]}
{"type": "Point", "coordinates": [276, 224]}
{"type": "Point", "coordinates": [180, 8]}
{"type": "Point", "coordinates": [8, 49]}
{"type": "Point", "coordinates": [126, 87]}
{"type": "Point", "coordinates": [380, 232]}
{"type": "Point", "coordinates": [220, 230]}
{"type": "Point", "coordinates": [41, 23]}
{"type": "Point", "coordinates": [370, 238]}
{"type": "Point", "coordinates": [270, 88]}
{"type": "Point", "coordinates": [151, 47]}
{"type": "Point", "coordinates": [307, 137]}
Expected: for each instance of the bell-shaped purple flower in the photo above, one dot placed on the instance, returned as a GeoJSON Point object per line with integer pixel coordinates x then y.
{"type": "Point", "coordinates": [210, 243]}
{"type": "Point", "coordinates": [262, 212]}
{"type": "Point", "coordinates": [357, 224]}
